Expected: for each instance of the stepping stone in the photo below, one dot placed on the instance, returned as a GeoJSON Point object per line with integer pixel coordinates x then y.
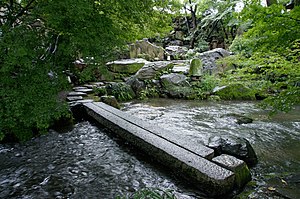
{"type": "Point", "coordinates": [181, 69]}
{"type": "Point", "coordinates": [90, 86]}
{"type": "Point", "coordinates": [85, 101]}
{"type": "Point", "coordinates": [79, 87]}
{"type": "Point", "coordinates": [74, 98]}
{"type": "Point", "coordinates": [207, 176]}
{"type": "Point", "coordinates": [77, 94]}
{"type": "Point", "coordinates": [85, 90]}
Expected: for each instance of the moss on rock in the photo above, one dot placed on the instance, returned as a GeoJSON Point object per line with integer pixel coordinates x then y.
{"type": "Point", "coordinates": [235, 91]}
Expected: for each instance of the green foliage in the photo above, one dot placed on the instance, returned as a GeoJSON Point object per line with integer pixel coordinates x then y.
{"type": "Point", "coordinates": [100, 91]}
{"type": "Point", "coordinates": [273, 28]}
{"type": "Point", "coordinates": [148, 92]}
{"type": "Point", "coordinates": [269, 75]}
{"type": "Point", "coordinates": [204, 87]}
{"type": "Point", "coordinates": [41, 39]}
{"type": "Point", "coordinates": [269, 53]}
{"type": "Point", "coordinates": [121, 91]}
{"type": "Point", "coordinates": [150, 193]}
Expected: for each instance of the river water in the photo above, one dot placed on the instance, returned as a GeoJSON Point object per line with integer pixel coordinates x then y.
{"type": "Point", "coordinates": [89, 162]}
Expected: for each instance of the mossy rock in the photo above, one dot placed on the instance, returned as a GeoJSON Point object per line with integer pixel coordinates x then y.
{"type": "Point", "coordinates": [235, 92]}
{"type": "Point", "coordinates": [180, 92]}
{"type": "Point", "coordinates": [196, 67]}
{"type": "Point", "coordinates": [130, 66]}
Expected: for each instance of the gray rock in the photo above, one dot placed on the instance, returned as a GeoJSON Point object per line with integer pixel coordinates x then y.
{"type": "Point", "coordinates": [240, 119]}
{"type": "Point", "coordinates": [136, 84]}
{"type": "Point", "coordinates": [181, 69]}
{"type": "Point", "coordinates": [146, 49]}
{"type": "Point", "coordinates": [85, 101]}
{"type": "Point", "coordinates": [79, 87]}
{"type": "Point", "coordinates": [74, 98]}
{"type": "Point", "coordinates": [129, 66]}
{"type": "Point", "coordinates": [239, 167]}
{"type": "Point", "coordinates": [77, 94]}
{"type": "Point", "coordinates": [85, 90]}
{"type": "Point", "coordinates": [237, 147]}
{"type": "Point", "coordinates": [209, 58]}
{"type": "Point", "coordinates": [151, 69]}
{"type": "Point", "coordinates": [174, 79]}
{"type": "Point", "coordinates": [176, 51]}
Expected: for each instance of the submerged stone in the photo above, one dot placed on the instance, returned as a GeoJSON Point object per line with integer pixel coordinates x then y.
{"type": "Point", "coordinates": [240, 119]}
{"type": "Point", "coordinates": [237, 147]}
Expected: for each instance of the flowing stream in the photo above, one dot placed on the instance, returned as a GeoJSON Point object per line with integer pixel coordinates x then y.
{"type": "Point", "coordinates": [89, 162]}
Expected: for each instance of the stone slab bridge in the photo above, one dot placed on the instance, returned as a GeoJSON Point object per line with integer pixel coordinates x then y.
{"type": "Point", "coordinates": [215, 176]}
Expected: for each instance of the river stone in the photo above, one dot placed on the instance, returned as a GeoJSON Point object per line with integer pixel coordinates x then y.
{"type": "Point", "coordinates": [146, 49]}
{"type": "Point", "coordinates": [240, 119]}
{"type": "Point", "coordinates": [151, 69]}
{"type": "Point", "coordinates": [239, 167]}
{"type": "Point", "coordinates": [237, 147]}
{"type": "Point", "coordinates": [128, 66]}
{"type": "Point", "coordinates": [173, 79]}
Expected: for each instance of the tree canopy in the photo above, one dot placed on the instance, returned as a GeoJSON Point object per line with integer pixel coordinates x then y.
{"type": "Point", "coordinates": [39, 40]}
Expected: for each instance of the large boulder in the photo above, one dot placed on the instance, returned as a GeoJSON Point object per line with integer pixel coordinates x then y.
{"type": "Point", "coordinates": [136, 84]}
{"type": "Point", "coordinates": [176, 52]}
{"type": "Point", "coordinates": [175, 85]}
{"type": "Point", "coordinates": [234, 91]}
{"type": "Point", "coordinates": [151, 69]}
{"type": "Point", "coordinates": [127, 66]}
{"type": "Point", "coordinates": [174, 79]}
{"type": "Point", "coordinates": [237, 147]}
{"type": "Point", "coordinates": [145, 49]}
{"type": "Point", "coordinates": [209, 59]}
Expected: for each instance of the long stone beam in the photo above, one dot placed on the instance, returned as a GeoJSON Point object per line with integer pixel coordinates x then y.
{"type": "Point", "coordinates": [206, 175]}
{"type": "Point", "coordinates": [191, 144]}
